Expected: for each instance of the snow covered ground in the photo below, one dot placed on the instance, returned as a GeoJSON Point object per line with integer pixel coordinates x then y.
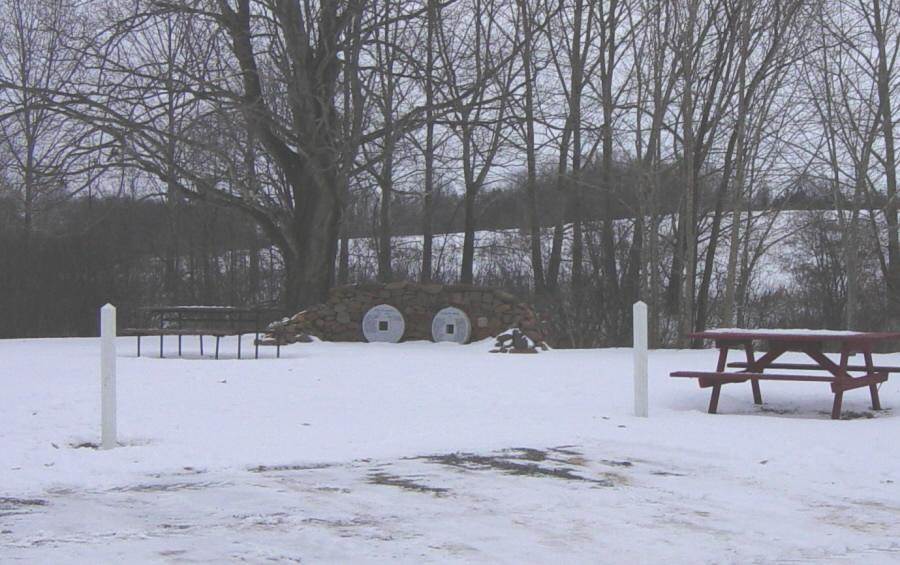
{"type": "Point", "coordinates": [419, 452]}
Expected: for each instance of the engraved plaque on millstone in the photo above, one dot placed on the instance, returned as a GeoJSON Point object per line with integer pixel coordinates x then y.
{"type": "Point", "coordinates": [383, 323]}
{"type": "Point", "coordinates": [451, 324]}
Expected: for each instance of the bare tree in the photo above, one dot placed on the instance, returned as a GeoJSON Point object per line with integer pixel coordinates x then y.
{"type": "Point", "coordinates": [479, 58]}
{"type": "Point", "coordinates": [775, 43]}
{"type": "Point", "coordinates": [687, 53]}
{"type": "Point", "coordinates": [655, 80]}
{"type": "Point", "coordinates": [531, 33]}
{"type": "Point", "coordinates": [571, 40]}
{"type": "Point", "coordinates": [881, 18]}
{"type": "Point", "coordinates": [50, 155]}
{"type": "Point", "coordinates": [292, 60]}
{"type": "Point", "coordinates": [389, 95]}
{"type": "Point", "coordinates": [431, 23]}
{"type": "Point", "coordinates": [856, 69]}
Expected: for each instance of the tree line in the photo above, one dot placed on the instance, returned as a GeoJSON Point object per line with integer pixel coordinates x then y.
{"type": "Point", "coordinates": [643, 148]}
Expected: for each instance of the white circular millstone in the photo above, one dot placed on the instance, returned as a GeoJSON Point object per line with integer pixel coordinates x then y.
{"type": "Point", "coordinates": [451, 324]}
{"type": "Point", "coordinates": [383, 323]}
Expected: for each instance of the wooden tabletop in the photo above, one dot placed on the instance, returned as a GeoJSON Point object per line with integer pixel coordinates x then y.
{"type": "Point", "coordinates": [798, 335]}
{"type": "Point", "coordinates": [205, 309]}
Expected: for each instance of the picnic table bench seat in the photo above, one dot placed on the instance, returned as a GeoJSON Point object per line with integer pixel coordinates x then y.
{"type": "Point", "coordinates": [813, 367]}
{"type": "Point", "coordinates": [838, 373]}
{"type": "Point", "coordinates": [708, 378]}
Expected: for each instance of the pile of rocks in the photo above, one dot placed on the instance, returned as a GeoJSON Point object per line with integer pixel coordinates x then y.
{"type": "Point", "coordinates": [490, 311]}
{"type": "Point", "coordinates": [517, 341]}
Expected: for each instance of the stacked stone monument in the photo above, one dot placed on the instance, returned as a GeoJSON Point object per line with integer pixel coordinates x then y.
{"type": "Point", "coordinates": [489, 311]}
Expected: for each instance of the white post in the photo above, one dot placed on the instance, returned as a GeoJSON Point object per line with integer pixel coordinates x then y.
{"type": "Point", "coordinates": [108, 376]}
{"type": "Point", "coordinates": [639, 318]}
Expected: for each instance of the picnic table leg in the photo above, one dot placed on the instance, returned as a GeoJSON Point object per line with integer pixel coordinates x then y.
{"type": "Point", "coordinates": [757, 395]}
{"type": "Point", "coordinates": [717, 388]}
{"type": "Point", "coordinates": [836, 408]}
{"type": "Point", "coordinates": [754, 383]}
{"type": "Point", "coordinates": [838, 370]}
{"type": "Point", "coordinates": [257, 315]}
{"type": "Point", "coordinates": [873, 388]}
{"type": "Point", "coordinates": [839, 393]}
{"type": "Point", "coordinates": [714, 398]}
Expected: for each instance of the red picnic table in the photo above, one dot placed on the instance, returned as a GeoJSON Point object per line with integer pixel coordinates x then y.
{"type": "Point", "coordinates": [810, 342]}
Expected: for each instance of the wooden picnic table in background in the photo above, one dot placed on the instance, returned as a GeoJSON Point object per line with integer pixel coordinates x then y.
{"type": "Point", "coordinates": [215, 321]}
{"type": "Point", "coordinates": [811, 342]}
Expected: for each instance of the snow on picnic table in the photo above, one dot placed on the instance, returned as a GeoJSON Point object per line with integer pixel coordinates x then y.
{"type": "Point", "coordinates": [423, 452]}
{"type": "Point", "coordinates": [781, 331]}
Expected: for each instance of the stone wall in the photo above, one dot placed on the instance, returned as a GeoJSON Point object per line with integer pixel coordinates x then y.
{"type": "Point", "coordinates": [491, 311]}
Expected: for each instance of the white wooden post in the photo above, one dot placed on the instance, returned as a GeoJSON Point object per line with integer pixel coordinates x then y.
{"type": "Point", "coordinates": [108, 376]}
{"type": "Point", "coordinates": [639, 318]}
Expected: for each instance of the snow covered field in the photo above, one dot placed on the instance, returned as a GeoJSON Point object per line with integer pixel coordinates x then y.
{"type": "Point", "coordinates": [419, 452]}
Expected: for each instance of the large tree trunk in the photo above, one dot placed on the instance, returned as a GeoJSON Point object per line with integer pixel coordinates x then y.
{"type": "Point", "coordinates": [676, 271]}
{"type": "Point", "coordinates": [315, 174]}
{"type": "Point", "coordinates": [713, 246]}
{"type": "Point", "coordinates": [427, 270]}
{"type": "Point", "coordinates": [655, 284]}
{"type": "Point", "coordinates": [851, 243]}
{"type": "Point", "coordinates": [690, 180]}
{"type": "Point", "coordinates": [343, 276]}
{"type": "Point", "coordinates": [254, 278]}
{"type": "Point", "coordinates": [634, 279]}
{"type": "Point", "coordinates": [534, 225]}
{"type": "Point", "coordinates": [743, 102]}
{"type": "Point", "coordinates": [728, 313]}
{"type": "Point", "coordinates": [172, 252]}
{"type": "Point", "coordinates": [385, 273]}
{"type": "Point", "coordinates": [892, 277]}
{"type": "Point", "coordinates": [616, 308]}
{"type": "Point", "coordinates": [467, 275]}
{"type": "Point", "coordinates": [746, 267]}
{"type": "Point", "coordinates": [311, 249]}
{"type": "Point", "coordinates": [554, 263]}
{"type": "Point", "coordinates": [385, 60]}
{"type": "Point", "coordinates": [575, 187]}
